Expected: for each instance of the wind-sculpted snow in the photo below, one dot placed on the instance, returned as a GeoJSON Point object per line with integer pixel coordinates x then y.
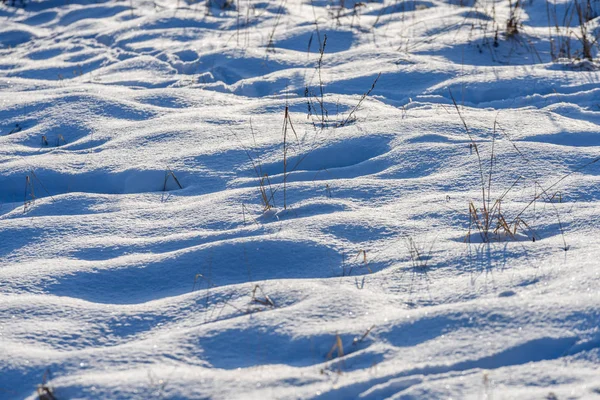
{"type": "Point", "coordinates": [298, 199]}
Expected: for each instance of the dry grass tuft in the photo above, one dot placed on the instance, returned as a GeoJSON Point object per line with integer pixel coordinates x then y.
{"type": "Point", "coordinates": [488, 219]}
{"type": "Point", "coordinates": [361, 259]}
{"type": "Point", "coordinates": [44, 390]}
{"type": "Point", "coordinates": [170, 174]}
{"type": "Point", "coordinates": [417, 254]}
{"type": "Point", "coordinates": [267, 194]}
{"type": "Point", "coordinates": [513, 23]}
{"type": "Point", "coordinates": [265, 300]}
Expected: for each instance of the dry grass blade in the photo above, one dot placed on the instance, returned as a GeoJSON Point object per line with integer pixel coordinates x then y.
{"type": "Point", "coordinates": [513, 22]}
{"type": "Point", "coordinates": [271, 42]}
{"type": "Point", "coordinates": [197, 278]}
{"type": "Point", "coordinates": [418, 258]}
{"type": "Point", "coordinates": [170, 173]}
{"type": "Point", "coordinates": [267, 200]}
{"type": "Point", "coordinates": [265, 300]}
{"type": "Point", "coordinates": [319, 65]}
{"type": "Point", "coordinates": [585, 14]}
{"type": "Point", "coordinates": [363, 262]}
{"type": "Point", "coordinates": [503, 225]}
{"type": "Point", "coordinates": [44, 390]}
{"type": "Point", "coordinates": [544, 191]}
{"type": "Point", "coordinates": [287, 121]}
{"type": "Point", "coordinates": [58, 140]}
{"type": "Point", "coordinates": [357, 340]}
{"type": "Point", "coordinates": [29, 197]}
{"type": "Point", "coordinates": [473, 144]}
{"type": "Point", "coordinates": [16, 129]}
{"type": "Point", "coordinates": [32, 172]}
{"type": "Point", "coordinates": [246, 211]}
{"type": "Point", "coordinates": [364, 96]}
{"type": "Point", "coordinates": [263, 178]}
{"type": "Point", "coordinates": [337, 345]}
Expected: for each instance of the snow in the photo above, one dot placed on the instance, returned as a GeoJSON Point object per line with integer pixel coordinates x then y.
{"type": "Point", "coordinates": [138, 259]}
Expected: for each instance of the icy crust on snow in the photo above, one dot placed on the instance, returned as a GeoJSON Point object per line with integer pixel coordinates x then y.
{"type": "Point", "coordinates": [136, 257]}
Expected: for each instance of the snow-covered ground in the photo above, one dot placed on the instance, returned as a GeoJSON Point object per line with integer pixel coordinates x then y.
{"type": "Point", "coordinates": [168, 230]}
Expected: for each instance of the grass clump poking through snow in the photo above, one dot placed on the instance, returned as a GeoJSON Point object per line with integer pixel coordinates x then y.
{"type": "Point", "coordinates": [419, 255]}
{"type": "Point", "coordinates": [312, 97]}
{"type": "Point", "coordinates": [360, 261]}
{"type": "Point", "coordinates": [44, 390]}
{"type": "Point", "coordinates": [487, 217]}
{"type": "Point", "coordinates": [30, 196]}
{"type": "Point", "coordinates": [169, 174]}
{"type": "Point", "coordinates": [576, 23]}
{"type": "Point", "coordinates": [585, 14]}
{"type": "Point", "coordinates": [267, 194]}
{"type": "Point", "coordinates": [513, 23]}
{"type": "Point", "coordinates": [337, 349]}
{"type": "Point", "coordinates": [263, 298]}
{"type": "Point", "coordinates": [351, 116]}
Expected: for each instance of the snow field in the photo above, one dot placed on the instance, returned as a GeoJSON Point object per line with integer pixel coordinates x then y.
{"type": "Point", "coordinates": [124, 285]}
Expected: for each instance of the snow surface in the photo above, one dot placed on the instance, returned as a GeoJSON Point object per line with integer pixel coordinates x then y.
{"type": "Point", "coordinates": [116, 283]}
